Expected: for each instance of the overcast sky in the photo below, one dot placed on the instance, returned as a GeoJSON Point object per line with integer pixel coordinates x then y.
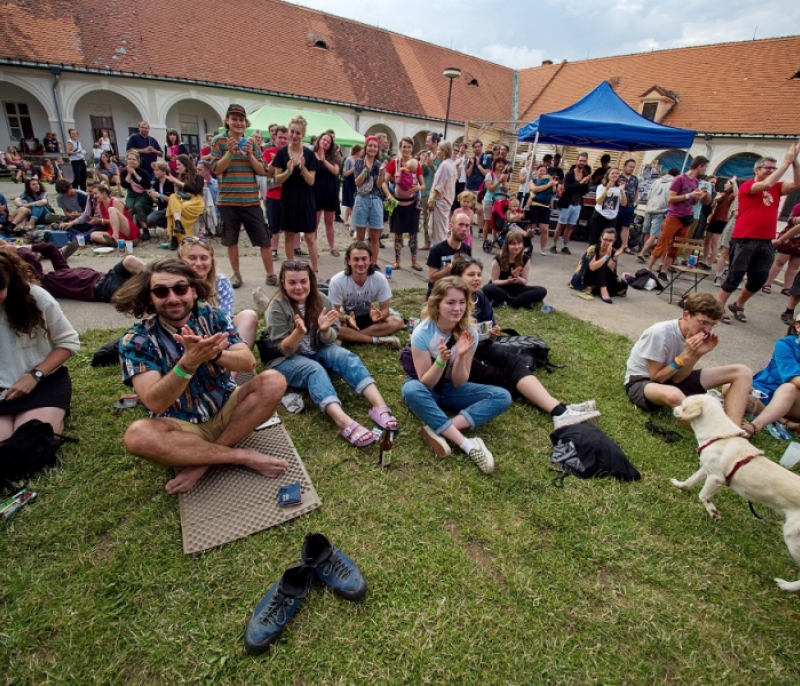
{"type": "Point", "coordinates": [522, 33]}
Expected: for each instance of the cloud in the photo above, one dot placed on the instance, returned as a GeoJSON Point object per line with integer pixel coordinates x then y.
{"type": "Point", "coordinates": [516, 57]}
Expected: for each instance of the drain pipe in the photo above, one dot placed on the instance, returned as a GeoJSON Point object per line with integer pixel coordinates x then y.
{"type": "Point", "coordinates": [56, 72]}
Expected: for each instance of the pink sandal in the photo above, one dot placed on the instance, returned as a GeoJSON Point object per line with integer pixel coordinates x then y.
{"type": "Point", "coordinates": [377, 415]}
{"type": "Point", "coordinates": [359, 438]}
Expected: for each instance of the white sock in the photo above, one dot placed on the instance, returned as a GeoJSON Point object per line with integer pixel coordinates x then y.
{"type": "Point", "coordinates": [375, 339]}
{"type": "Point", "coordinates": [467, 446]}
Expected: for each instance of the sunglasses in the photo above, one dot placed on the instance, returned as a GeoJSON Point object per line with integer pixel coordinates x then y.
{"type": "Point", "coordinates": [471, 260]}
{"type": "Point", "coordinates": [162, 292]}
{"type": "Point", "coordinates": [195, 239]}
{"type": "Point", "coordinates": [296, 266]}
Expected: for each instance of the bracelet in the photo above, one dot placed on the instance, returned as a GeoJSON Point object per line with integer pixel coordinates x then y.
{"type": "Point", "coordinates": [679, 362]}
{"type": "Point", "coordinates": [181, 373]}
{"type": "Point", "coordinates": [219, 354]}
{"type": "Point", "coordinates": [322, 332]}
{"type": "Point", "coordinates": [439, 364]}
{"type": "Point", "coordinates": [674, 366]}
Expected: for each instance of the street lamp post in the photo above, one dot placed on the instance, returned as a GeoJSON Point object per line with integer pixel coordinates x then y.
{"type": "Point", "coordinates": [449, 73]}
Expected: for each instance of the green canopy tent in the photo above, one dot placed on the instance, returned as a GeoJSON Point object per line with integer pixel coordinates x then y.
{"type": "Point", "coordinates": [318, 123]}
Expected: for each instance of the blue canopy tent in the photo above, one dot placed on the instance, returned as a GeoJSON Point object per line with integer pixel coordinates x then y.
{"type": "Point", "coordinates": [601, 119]}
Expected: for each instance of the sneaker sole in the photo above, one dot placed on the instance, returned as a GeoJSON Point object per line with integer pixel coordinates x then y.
{"type": "Point", "coordinates": [436, 443]}
{"type": "Point", "coordinates": [588, 418]}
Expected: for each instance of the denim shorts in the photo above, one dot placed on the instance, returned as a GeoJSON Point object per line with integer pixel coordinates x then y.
{"type": "Point", "coordinates": [653, 223]}
{"type": "Point", "coordinates": [367, 212]}
{"type": "Point", "coordinates": [569, 215]}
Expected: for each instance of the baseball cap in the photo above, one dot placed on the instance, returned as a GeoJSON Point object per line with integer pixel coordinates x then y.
{"type": "Point", "coordinates": [235, 109]}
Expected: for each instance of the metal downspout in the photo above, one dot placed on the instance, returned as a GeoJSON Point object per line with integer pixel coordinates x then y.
{"type": "Point", "coordinates": [56, 72]}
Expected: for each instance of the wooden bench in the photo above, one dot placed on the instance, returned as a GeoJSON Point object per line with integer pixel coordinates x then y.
{"type": "Point", "coordinates": [688, 246]}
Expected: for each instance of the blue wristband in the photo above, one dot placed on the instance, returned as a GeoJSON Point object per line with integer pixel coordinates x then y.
{"type": "Point", "coordinates": [674, 366]}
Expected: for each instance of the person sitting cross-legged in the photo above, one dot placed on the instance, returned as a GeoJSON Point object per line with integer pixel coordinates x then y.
{"type": "Point", "coordinates": [361, 295]}
{"type": "Point", "coordinates": [661, 367]}
{"type": "Point", "coordinates": [178, 361]}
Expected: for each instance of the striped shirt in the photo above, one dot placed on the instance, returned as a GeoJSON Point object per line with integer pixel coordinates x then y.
{"type": "Point", "coordinates": [237, 184]}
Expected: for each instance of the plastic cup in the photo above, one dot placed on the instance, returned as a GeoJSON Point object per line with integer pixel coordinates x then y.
{"type": "Point", "coordinates": [548, 309]}
{"type": "Point", "coordinates": [81, 239]}
{"type": "Point", "coordinates": [791, 456]}
{"type": "Point", "coordinates": [129, 247]}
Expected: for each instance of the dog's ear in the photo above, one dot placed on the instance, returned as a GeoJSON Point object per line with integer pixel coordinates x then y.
{"type": "Point", "coordinates": [692, 407]}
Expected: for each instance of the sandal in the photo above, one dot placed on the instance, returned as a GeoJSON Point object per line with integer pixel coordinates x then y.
{"type": "Point", "coordinates": [738, 313]}
{"type": "Point", "coordinates": [357, 435]}
{"type": "Point", "coordinates": [726, 319]}
{"type": "Point", "coordinates": [785, 291]}
{"type": "Point", "coordinates": [396, 266]}
{"type": "Point", "coordinates": [335, 253]}
{"type": "Point", "coordinates": [767, 290]}
{"type": "Point", "coordinates": [416, 266]}
{"type": "Point", "coordinates": [377, 415]}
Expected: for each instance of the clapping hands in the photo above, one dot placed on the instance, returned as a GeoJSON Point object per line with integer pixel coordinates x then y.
{"type": "Point", "coordinates": [327, 318]}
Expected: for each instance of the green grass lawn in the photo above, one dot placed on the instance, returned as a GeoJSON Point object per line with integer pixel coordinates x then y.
{"type": "Point", "coordinates": [505, 579]}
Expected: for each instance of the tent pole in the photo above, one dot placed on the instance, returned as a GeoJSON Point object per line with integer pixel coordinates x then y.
{"type": "Point", "coordinates": [533, 154]}
{"type": "Point", "coordinates": [685, 160]}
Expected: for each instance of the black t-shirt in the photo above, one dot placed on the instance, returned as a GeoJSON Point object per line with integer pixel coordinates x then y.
{"type": "Point", "coordinates": [441, 255]}
{"type": "Point", "coordinates": [574, 190]}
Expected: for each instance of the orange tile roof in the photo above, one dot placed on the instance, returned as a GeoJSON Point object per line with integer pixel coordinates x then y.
{"type": "Point", "coordinates": [266, 48]}
{"type": "Point", "coordinates": [741, 88]}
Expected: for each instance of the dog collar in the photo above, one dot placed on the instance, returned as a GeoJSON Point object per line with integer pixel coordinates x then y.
{"type": "Point", "coordinates": [741, 463]}
{"type": "Point", "coordinates": [714, 440]}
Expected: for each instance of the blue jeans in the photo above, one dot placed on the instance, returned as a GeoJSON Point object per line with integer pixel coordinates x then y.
{"type": "Point", "coordinates": [478, 403]}
{"type": "Point", "coordinates": [311, 373]}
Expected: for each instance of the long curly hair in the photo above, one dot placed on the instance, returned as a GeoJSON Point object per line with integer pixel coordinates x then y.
{"type": "Point", "coordinates": [440, 288]}
{"type": "Point", "coordinates": [16, 277]}
{"type": "Point", "coordinates": [134, 297]}
{"type": "Point", "coordinates": [190, 174]}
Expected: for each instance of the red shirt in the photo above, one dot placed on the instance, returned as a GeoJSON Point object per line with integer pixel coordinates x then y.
{"type": "Point", "coordinates": [758, 213]}
{"type": "Point", "coordinates": [269, 154]}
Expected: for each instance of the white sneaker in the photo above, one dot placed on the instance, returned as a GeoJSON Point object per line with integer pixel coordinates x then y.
{"type": "Point", "coordinates": [260, 300]}
{"type": "Point", "coordinates": [571, 416]}
{"type": "Point", "coordinates": [544, 253]}
{"type": "Point", "coordinates": [481, 456]}
{"type": "Point", "coordinates": [436, 442]}
{"type": "Point", "coordinates": [390, 342]}
{"type": "Point", "coordinates": [586, 406]}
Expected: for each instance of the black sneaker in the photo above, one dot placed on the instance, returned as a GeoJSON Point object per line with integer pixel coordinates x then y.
{"type": "Point", "coordinates": [300, 253]}
{"type": "Point", "coordinates": [69, 249]}
{"type": "Point", "coordinates": [333, 568]}
{"type": "Point", "coordinates": [144, 235]}
{"type": "Point", "coordinates": [663, 276]}
{"type": "Point", "coordinates": [554, 250]}
{"type": "Point", "coordinates": [173, 244]}
{"type": "Point", "coordinates": [566, 251]}
{"type": "Point", "coordinates": [787, 318]}
{"type": "Point", "coordinates": [276, 608]}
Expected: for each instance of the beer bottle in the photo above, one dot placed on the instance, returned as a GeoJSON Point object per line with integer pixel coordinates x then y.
{"type": "Point", "coordinates": [386, 449]}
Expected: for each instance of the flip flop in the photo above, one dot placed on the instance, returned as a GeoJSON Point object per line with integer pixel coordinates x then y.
{"type": "Point", "coordinates": [767, 290]}
{"type": "Point", "coordinates": [357, 435]}
{"type": "Point", "coordinates": [335, 253]}
{"type": "Point", "coordinates": [416, 266]}
{"type": "Point", "coordinates": [738, 313]}
{"type": "Point", "coordinates": [377, 416]}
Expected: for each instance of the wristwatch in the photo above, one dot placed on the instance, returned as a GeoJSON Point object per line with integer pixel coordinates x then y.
{"type": "Point", "coordinates": [37, 374]}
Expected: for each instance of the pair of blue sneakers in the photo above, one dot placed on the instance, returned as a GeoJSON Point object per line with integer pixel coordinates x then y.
{"type": "Point", "coordinates": [320, 559]}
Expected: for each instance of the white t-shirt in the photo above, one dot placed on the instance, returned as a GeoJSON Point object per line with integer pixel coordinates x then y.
{"type": "Point", "coordinates": [662, 342]}
{"type": "Point", "coordinates": [609, 208]}
{"type": "Point", "coordinates": [344, 292]}
{"type": "Point", "coordinates": [427, 336]}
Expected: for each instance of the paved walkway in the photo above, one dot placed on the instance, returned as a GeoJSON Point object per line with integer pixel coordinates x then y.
{"type": "Point", "coordinates": [749, 343]}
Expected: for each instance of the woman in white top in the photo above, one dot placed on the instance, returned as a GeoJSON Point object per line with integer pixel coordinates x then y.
{"type": "Point", "coordinates": [77, 160]}
{"type": "Point", "coordinates": [36, 339]}
{"type": "Point", "coordinates": [608, 198]}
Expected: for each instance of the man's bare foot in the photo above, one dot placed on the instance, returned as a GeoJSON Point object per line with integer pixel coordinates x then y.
{"type": "Point", "coordinates": [185, 479]}
{"type": "Point", "coordinates": [264, 464]}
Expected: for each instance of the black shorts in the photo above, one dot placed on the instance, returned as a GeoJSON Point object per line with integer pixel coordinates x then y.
{"type": "Point", "coordinates": [274, 215]}
{"type": "Point", "coordinates": [364, 321]}
{"type": "Point", "coordinates": [251, 217]}
{"type": "Point", "coordinates": [498, 365]}
{"type": "Point", "coordinates": [625, 216]}
{"type": "Point", "coordinates": [54, 390]}
{"type": "Point", "coordinates": [538, 214]}
{"type": "Point", "coordinates": [114, 279]}
{"type": "Point", "coordinates": [635, 389]}
{"type": "Point", "coordinates": [716, 226]}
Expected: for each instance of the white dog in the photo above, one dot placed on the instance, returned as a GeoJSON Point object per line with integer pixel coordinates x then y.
{"type": "Point", "coordinates": [727, 458]}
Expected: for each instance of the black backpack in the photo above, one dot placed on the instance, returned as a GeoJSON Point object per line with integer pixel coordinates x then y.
{"type": "Point", "coordinates": [534, 350]}
{"type": "Point", "coordinates": [30, 449]}
{"type": "Point", "coordinates": [641, 277]}
{"type": "Point", "coordinates": [583, 450]}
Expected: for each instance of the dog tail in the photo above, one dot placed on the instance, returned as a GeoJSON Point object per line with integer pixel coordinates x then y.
{"type": "Point", "coordinates": [792, 586]}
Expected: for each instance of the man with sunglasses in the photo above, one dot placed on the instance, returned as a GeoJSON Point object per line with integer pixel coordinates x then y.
{"type": "Point", "coordinates": [178, 360]}
{"type": "Point", "coordinates": [751, 250]}
{"type": "Point", "coordinates": [440, 258]}
{"type": "Point", "coordinates": [361, 295]}
{"type": "Point", "coordinates": [661, 367]}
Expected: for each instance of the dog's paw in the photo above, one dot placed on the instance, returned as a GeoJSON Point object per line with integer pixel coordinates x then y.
{"type": "Point", "coordinates": [713, 511]}
{"type": "Point", "coordinates": [791, 586]}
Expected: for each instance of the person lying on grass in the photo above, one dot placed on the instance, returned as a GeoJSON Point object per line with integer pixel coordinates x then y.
{"type": "Point", "coordinates": [178, 360]}
{"type": "Point", "coordinates": [304, 326]}
{"type": "Point", "coordinates": [499, 365]}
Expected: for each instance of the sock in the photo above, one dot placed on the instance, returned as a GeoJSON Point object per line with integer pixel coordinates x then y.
{"type": "Point", "coordinates": [467, 446]}
{"type": "Point", "coordinates": [564, 243]}
{"type": "Point", "coordinates": [375, 339]}
{"type": "Point", "coordinates": [558, 410]}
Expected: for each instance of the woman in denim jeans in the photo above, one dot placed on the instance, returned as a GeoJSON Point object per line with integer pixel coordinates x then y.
{"type": "Point", "coordinates": [442, 347]}
{"type": "Point", "coordinates": [303, 325]}
{"type": "Point", "coordinates": [368, 205]}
